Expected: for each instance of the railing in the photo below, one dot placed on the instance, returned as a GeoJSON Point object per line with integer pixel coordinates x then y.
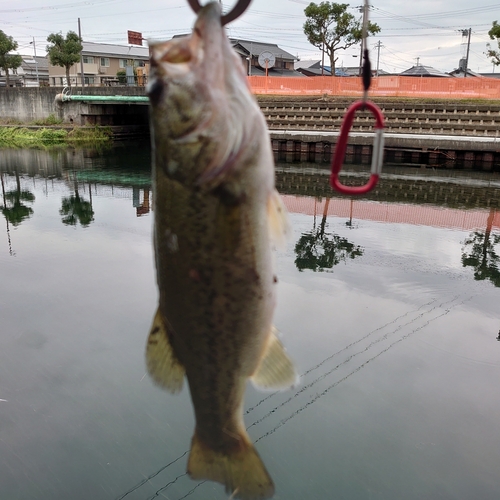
{"type": "Point", "coordinates": [382, 86]}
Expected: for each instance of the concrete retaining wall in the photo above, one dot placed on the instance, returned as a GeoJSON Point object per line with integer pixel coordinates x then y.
{"type": "Point", "coordinates": [27, 104]}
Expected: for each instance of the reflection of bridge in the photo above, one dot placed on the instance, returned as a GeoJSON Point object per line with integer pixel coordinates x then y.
{"type": "Point", "coordinates": [425, 215]}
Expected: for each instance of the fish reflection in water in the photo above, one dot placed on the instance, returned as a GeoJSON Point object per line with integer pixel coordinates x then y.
{"type": "Point", "coordinates": [216, 210]}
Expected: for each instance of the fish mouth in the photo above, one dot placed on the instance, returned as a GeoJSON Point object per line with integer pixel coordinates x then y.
{"type": "Point", "coordinates": [201, 52]}
{"type": "Point", "coordinates": [198, 89]}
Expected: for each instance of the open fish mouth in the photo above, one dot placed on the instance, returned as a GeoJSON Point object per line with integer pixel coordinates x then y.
{"type": "Point", "coordinates": [199, 52]}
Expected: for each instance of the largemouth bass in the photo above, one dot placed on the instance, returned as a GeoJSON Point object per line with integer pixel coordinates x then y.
{"type": "Point", "coordinates": [216, 214]}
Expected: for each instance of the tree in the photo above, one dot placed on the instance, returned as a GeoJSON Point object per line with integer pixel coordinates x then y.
{"type": "Point", "coordinates": [494, 33]}
{"type": "Point", "coordinates": [482, 255]}
{"type": "Point", "coordinates": [64, 52]}
{"type": "Point", "coordinates": [319, 251]}
{"type": "Point", "coordinates": [75, 209]}
{"type": "Point", "coordinates": [330, 28]}
{"type": "Point", "coordinates": [8, 61]}
{"type": "Point", "coordinates": [13, 209]}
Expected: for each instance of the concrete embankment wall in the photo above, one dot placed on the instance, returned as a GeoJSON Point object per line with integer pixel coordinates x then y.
{"type": "Point", "coordinates": [437, 132]}
{"type": "Point", "coordinates": [27, 104]}
{"type": "Point", "coordinates": [447, 133]}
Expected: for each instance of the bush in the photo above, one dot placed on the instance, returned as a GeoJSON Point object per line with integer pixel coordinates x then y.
{"type": "Point", "coordinates": [50, 120]}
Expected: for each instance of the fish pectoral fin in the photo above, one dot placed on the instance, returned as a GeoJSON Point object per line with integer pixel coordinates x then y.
{"type": "Point", "coordinates": [241, 470]}
{"type": "Point", "coordinates": [276, 370]}
{"type": "Point", "coordinates": [279, 227]}
{"type": "Point", "coordinates": [163, 366]}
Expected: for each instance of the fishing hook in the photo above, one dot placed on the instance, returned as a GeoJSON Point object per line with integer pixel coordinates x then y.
{"type": "Point", "coordinates": [240, 7]}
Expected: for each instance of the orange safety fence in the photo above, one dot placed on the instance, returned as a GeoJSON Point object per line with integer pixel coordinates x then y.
{"type": "Point", "coordinates": [422, 215]}
{"type": "Point", "coordinates": [382, 86]}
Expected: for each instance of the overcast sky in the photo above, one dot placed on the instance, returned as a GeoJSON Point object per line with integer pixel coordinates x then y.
{"type": "Point", "coordinates": [430, 31]}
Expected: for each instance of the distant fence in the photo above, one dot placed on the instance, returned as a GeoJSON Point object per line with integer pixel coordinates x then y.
{"type": "Point", "coordinates": [382, 86]}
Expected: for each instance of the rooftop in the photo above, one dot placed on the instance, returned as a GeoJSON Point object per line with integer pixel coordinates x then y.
{"type": "Point", "coordinates": [255, 48]}
{"type": "Point", "coordinates": [111, 49]}
{"type": "Point", "coordinates": [422, 70]}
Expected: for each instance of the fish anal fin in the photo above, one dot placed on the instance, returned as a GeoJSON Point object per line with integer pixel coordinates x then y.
{"type": "Point", "coordinates": [241, 471]}
{"type": "Point", "coordinates": [276, 370]}
{"type": "Point", "coordinates": [279, 227]}
{"type": "Point", "coordinates": [162, 364]}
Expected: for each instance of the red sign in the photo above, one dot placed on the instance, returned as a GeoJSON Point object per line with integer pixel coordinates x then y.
{"type": "Point", "coordinates": [134, 37]}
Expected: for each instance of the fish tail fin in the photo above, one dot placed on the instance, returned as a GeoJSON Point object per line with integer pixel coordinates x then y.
{"type": "Point", "coordinates": [241, 471]}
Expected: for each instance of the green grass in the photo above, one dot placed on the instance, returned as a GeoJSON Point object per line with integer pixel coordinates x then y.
{"type": "Point", "coordinates": [23, 137]}
{"type": "Point", "coordinates": [50, 120]}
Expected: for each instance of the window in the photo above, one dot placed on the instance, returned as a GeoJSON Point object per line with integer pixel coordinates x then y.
{"type": "Point", "coordinates": [139, 64]}
{"type": "Point", "coordinates": [88, 59]}
{"type": "Point", "coordinates": [123, 63]}
{"type": "Point", "coordinates": [89, 80]}
{"type": "Point", "coordinates": [105, 62]}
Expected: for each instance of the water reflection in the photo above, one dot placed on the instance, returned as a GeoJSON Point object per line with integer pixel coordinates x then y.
{"type": "Point", "coordinates": [479, 252]}
{"type": "Point", "coordinates": [319, 251]}
{"type": "Point", "coordinates": [76, 209]}
{"type": "Point", "coordinates": [394, 349]}
{"type": "Point", "coordinates": [13, 209]}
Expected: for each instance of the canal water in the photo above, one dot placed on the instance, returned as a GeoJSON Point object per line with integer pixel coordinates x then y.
{"type": "Point", "coordinates": [389, 307]}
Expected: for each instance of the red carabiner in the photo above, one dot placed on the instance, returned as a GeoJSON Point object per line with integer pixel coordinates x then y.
{"type": "Point", "coordinates": [378, 149]}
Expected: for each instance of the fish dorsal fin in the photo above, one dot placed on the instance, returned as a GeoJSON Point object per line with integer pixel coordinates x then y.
{"type": "Point", "coordinates": [279, 226]}
{"type": "Point", "coordinates": [276, 370]}
{"type": "Point", "coordinates": [163, 366]}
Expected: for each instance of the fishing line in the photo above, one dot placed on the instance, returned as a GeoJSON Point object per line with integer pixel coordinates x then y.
{"type": "Point", "coordinates": [189, 493]}
{"type": "Point", "coordinates": [356, 370]}
{"type": "Point", "coordinates": [249, 410]}
{"type": "Point", "coordinates": [329, 372]}
{"type": "Point", "coordinates": [145, 480]}
{"type": "Point", "coordinates": [158, 492]}
{"type": "Point", "coordinates": [335, 384]}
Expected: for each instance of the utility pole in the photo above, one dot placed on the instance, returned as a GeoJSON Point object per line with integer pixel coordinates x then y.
{"type": "Point", "coordinates": [323, 59]}
{"type": "Point", "coordinates": [363, 11]}
{"type": "Point", "coordinates": [467, 34]}
{"type": "Point", "coordinates": [81, 57]}
{"type": "Point", "coordinates": [36, 62]}
{"type": "Point", "coordinates": [378, 45]}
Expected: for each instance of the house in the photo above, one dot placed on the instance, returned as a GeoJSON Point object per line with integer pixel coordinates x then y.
{"type": "Point", "coordinates": [26, 74]}
{"type": "Point", "coordinates": [421, 70]}
{"type": "Point", "coordinates": [249, 51]}
{"type": "Point", "coordinates": [34, 71]}
{"type": "Point", "coordinates": [102, 63]}
{"type": "Point", "coordinates": [312, 68]}
{"type": "Point", "coordinates": [490, 75]}
{"type": "Point", "coordinates": [461, 72]}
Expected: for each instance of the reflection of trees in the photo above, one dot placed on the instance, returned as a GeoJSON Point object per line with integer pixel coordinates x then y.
{"type": "Point", "coordinates": [479, 252]}
{"type": "Point", "coordinates": [75, 209]}
{"type": "Point", "coordinates": [318, 250]}
{"type": "Point", "coordinates": [13, 209]}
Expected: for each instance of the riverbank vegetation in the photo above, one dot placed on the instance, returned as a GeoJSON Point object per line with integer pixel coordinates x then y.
{"type": "Point", "coordinates": [53, 136]}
